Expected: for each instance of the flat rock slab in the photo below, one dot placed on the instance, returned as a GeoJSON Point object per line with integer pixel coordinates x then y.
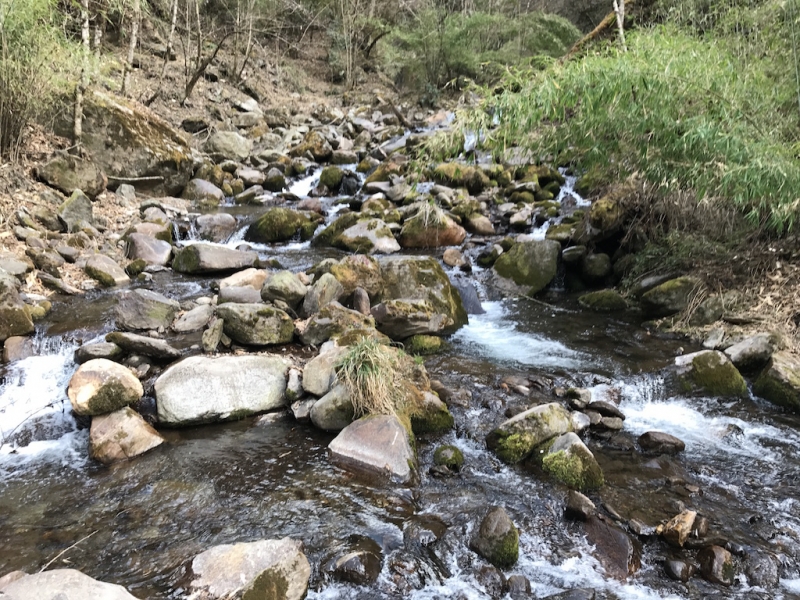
{"type": "Point", "coordinates": [208, 258]}
{"type": "Point", "coordinates": [120, 435]}
{"type": "Point", "coordinates": [274, 569]}
{"type": "Point", "coordinates": [203, 389]}
{"type": "Point", "coordinates": [63, 584]}
{"type": "Point", "coordinates": [376, 444]}
{"type": "Point", "coordinates": [146, 346]}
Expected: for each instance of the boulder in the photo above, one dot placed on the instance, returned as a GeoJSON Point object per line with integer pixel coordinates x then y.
{"type": "Point", "coordinates": [106, 271]}
{"type": "Point", "coordinates": [144, 247]}
{"type": "Point", "coordinates": [319, 374]}
{"type": "Point", "coordinates": [256, 324]}
{"type": "Point", "coordinates": [105, 350]}
{"type": "Point", "coordinates": [143, 345]}
{"type": "Point", "coordinates": [528, 266]}
{"type": "Point", "coordinates": [595, 267]}
{"type": "Point", "coordinates": [325, 290]}
{"type": "Point", "coordinates": [274, 181]}
{"type": "Point", "coordinates": [457, 175]}
{"type": "Point", "coordinates": [754, 352]}
{"type": "Point", "coordinates": [315, 144]}
{"type": "Point", "coordinates": [568, 460]}
{"type": "Point", "coordinates": [202, 389]}
{"type": "Point", "coordinates": [677, 530]}
{"type": "Point", "coordinates": [280, 224]}
{"type": "Point", "coordinates": [216, 227]}
{"type": "Point", "coordinates": [120, 435]}
{"type": "Point", "coordinates": [212, 336]}
{"type": "Point", "coordinates": [430, 415]}
{"type": "Point", "coordinates": [616, 551]}
{"type": "Point", "coordinates": [670, 297]}
{"type": "Point", "coordinates": [605, 301]}
{"type": "Point", "coordinates": [15, 316]}
{"type": "Point", "coordinates": [359, 271]}
{"type": "Point", "coordinates": [239, 295]}
{"type": "Point", "coordinates": [369, 236]}
{"type": "Point", "coordinates": [716, 565]}
{"type": "Point", "coordinates": [431, 229]}
{"type": "Point", "coordinates": [334, 320]}
{"type": "Point", "coordinates": [331, 178]}
{"type": "Point", "coordinates": [128, 142]}
{"type": "Point", "coordinates": [17, 348]}
{"type": "Point", "coordinates": [711, 372]}
{"type": "Point", "coordinates": [579, 507]}
{"type": "Point", "coordinates": [68, 173]}
{"type": "Point", "coordinates": [100, 386]}
{"type": "Point", "coordinates": [361, 562]}
{"type": "Point", "coordinates": [76, 212]}
{"type": "Point", "coordinates": [194, 320]}
{"type": "Point", "coordinates": [448, 456]}
{"type": "Point", "coordinates": [286, 286]}
{"type": "Point", "coordinates": [143, 309]}
{"type": "Point", "coordinates": [273, 569]}
{"type": "Point", "coordinates": [517, 437]}
{"type": "Point", "coordinates": [228, 145]}
{"type": "Point", "coordinates": [412, 278]}
{"type": "Point", "coordinates": [377, 445]}
{"type": "Point", "coordinates": [253, 278]}
{"type": "Point", "coordinates": [403, 318]}
{"type": "Point", "coordinates": [334, 411]}
{"type": "Point", "coordinates": [479, 225]}
{"type": "Point", "coordinates": [779, 382]}
{"type": "Point", "coordinates": [658, 442]}
{"type": "Point", "coordinates": [208, 258]}
{"type": "Point", "coordinates": [62, 584]}
{"type": "Point", "coordinates": [497, 539]}
{"type": "Point", "coordinates": [203, 193]}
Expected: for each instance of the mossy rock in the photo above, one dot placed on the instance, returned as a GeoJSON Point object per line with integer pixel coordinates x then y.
{"type": "Point", "coordinates": [712, 372]}
{"type": "Point", "coordinates": [358, 271]}
{"type": "Point", "coordinates": [461, 176]}
{"type": "Point", "coordinates": [569, 461]}
{"type": "Point", "coordinates": [522, 197]}
{"type": "Point", "coordinates": [604, 301]}
{"type": "Point", "coordinates": [330, 235]}
{"type": "Point", "coordinates": [779, 382]}
{"type": "Point", "coordinates": [448, 456]}
{"type": "Point", "coordinates": [385, 171]}
{"type": "Point", "coordinates": [541, 174]}
{"type": "Point", "coordinates": [532, 265]}
{"type": "Point", "coordinates": [561, 233]}
{"type": "Point", "coordinates": [516, 438]}
{"type": "Point", "coordinates": [430, 415]}
{"type": "Point", "coordinates": [423, 344]}
{"type": "Point", "coordinates": [331, 178]}
{"type": "Point", "coordinates": [282, 224]}
{"type": "Point", "coordinates": [670, 297]}
{"type": "Point", "coordinates": [316, 144]}
{"type": "Point", "coordinates": [594, 179]}
{"type": "Point", "coordinates": [497, 539]}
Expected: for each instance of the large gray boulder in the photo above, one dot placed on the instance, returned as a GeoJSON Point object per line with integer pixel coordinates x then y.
{"type": "Point", "coordinates": [194, 320]}
{"type": "Point", "coordinates": [334, 411]}
{"type": "Point", "coordinates": [333, 321]}
{"type": "Point", "coordinates": [106, 271]}
{"type": "Point", "coordinates": [517, 437]}
{"type": "Point", "coordinates": [120, 435]}
{"type": "Point", "coordinates": [371, 236]}
{"type": "Point", "coordinates": [256, 324]}
{"type": "Point", "coordinates": [216, 227]}
{"type": "Point", "coordinates": [203, 193]}
{"type": "Point", "coordinates": [754, 352]}
{"type": "Point", "coordinates": [286, 286]}
{"type": "Point", "coordinates": [228, 145]}
{"type": "Point", "coordinates": [144, 345]}
{"type": "Point", "coordinates": [779, 382]}
{"type": "Point", "coordinates": [76, 211]}
{"type": "Point", "coordinates": [324, 290]}
{"type": "Point", "coordinates": [148, 249]}
{"type": "Point", "coordinates": [63, 584]}
{"type": "Point", "coordinates": [209, 258]}
{"type": "Point", "coordinates": [711, 372]}
{"type": "Point", "coordinates": [100, 386]}
{"type": "Point", "coordinates": [528, 267]}
{"type": "Point", "coordinates": [68, 173]}
{"type": "Point", "coordinates": [202, 389]}
{"type": "Point", "coordinates": [143, 309]}
{"type": "Point", "coordinates": [266, 569]}
{"type": "Point", "coordinates": [377, 445]}
{"type": "Point", "coordinates": [497, 539]}
{"type": "Point", "coordinates": [131, 144]}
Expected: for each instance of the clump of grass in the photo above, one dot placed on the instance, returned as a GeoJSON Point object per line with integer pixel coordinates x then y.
{"type": "Point", "coordinates": [370, 371]}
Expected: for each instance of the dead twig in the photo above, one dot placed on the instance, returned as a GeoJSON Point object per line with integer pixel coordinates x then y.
{"type": "Point", "coordinates": [65, 550]}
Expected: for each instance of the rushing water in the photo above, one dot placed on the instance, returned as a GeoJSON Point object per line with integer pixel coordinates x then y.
{"type": "Point", "coordinates": [139, 523]}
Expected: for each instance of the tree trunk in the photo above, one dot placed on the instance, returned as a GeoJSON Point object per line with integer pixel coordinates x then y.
{"type": "Point", "coordinates": [137, 17]}
{"type": "Point", "coordinates": [83, 83]}
{"type": "Point", "coordinates": [173, 24]}
{"type": "Point", "coordinates": [619, 11]}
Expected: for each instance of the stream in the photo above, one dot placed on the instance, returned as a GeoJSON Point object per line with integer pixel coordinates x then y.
{"type": "Point", "coordinates": [139, 523]}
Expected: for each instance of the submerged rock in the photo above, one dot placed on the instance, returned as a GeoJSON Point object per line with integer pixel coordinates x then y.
{"type": "Point", "coordinates": [497, 539]}
{"type": "Point", "coordinates": [101, 386]}
{"type": "Point", "coordinates": [378, 445]}
{"type": "Point", "coordinates": [711, 372]}
{"type": "Point", "coordinates": [616, 551]}
{"type": "Point", "coordinates": [516, 438]}
{"type": "Point", "coordinates": [273, 569]}
{"type": "Point", "coordinates": [202, 389]}
{"type": "Point", "coordinates": [361, 563]}
{"type": "Point", "coordinates": [64, 584]}
{"type": "Point", "coordinates": [120, 435]}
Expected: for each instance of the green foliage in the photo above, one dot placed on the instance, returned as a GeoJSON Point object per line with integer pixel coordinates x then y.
{"type": "Point", "coordinates": [437, 47]}
{"type": "Point", "coordinates": [681, 110]}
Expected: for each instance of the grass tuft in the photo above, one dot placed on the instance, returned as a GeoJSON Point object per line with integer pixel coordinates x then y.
{"type": "Point", "coordinates": [370, 372]}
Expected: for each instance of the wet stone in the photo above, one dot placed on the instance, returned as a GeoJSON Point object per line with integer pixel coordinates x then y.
{"type": "Point", "coordinates": [679, 570]}
{"type": "Point", "coordinates": [579, 506]}
{"type": "Point", "coordinates": [659, 442]}
{"type": "Point", "coordinates": [716, 565]}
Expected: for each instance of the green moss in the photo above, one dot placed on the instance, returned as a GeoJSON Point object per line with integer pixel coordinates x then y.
{"type": "Point", "coordinates": [505, 553]}
{"type": "Point", "coordinates": [423, 344]}
{"type": "Point", "coordinates": [719, 379]}
{"type": "Point", "coordinates": [591, 181]}
{"type": "Point", "coordinates": [561, 233]}
{"type": "Point", "coordinates": [281, 224]}
{"type": "Point", "coordinates": [523, 197]}
{"type": "Point", "coordinates": [331, 178]}
{"type": "Point", "coordinates": [270, 584]}
{"type": "Point", "coordinates": [187, 260]}
{"type": "Point", "coordinates": [384, 171]}
{"type": "Point", "coordinates": [329, 235]}
{"type": "Point", "coordinates": [572, 469]}
{"type": "Point", "coordinates": [512, 448]}
{"type": "Point", "coordinates": [449, 456]}
{"type": "Point", "coordinates": [135, 267]}
{"type": "Point", "coordinates": [530, 264]}
{"type": "Point", "coordinates": [458, 175]}
{"type": "Point", "coordinates": [431, 421]}
{"type": "Point", "coordinates": [603, 301]}
{"type": "Point", "coordinates": [782, 393]}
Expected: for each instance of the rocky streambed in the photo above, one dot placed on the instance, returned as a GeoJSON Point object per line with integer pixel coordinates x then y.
{"type": "Point", "coordinates": [174, 420]}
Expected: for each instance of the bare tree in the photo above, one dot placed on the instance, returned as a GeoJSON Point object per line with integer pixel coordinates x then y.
{"type": "Point", "coordinates": [83, 83]}
{"type": "Point", "coordinates": [126, 73]}
{"type": "Point", "coordinates": [619, 10]}
{"type": "Point", "coordinates": [167, 53]}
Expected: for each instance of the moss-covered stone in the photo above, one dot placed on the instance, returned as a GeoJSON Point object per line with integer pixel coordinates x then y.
{"type": "Point", "coordinates": [358, 271]}
{"type": "Point", "coordinates": [516, 438]}
{"type": "Point", "coordinates": [569, 461]}
{"type": "Point", "coordinates": [532, 265]}
{"type": "Point", "coordinates": [603, 301]}
{"type": "Point", "coordinates": [135, 267]}
{"type": "Point", "coordinates": [423, 344]}
{"type": "Point", "coordinates": [779, 382]}
{"type": "Point", "coordinates": [385, 171]}
{"type": "Point", "coordinates": [282, 224]}
{"type": "Point", "coordinates": [497, 539]}
{"type": "Point", "coordinates": [315, 144]}
{"type": "Point", "coordinates": [591, 181]}
{"type": "Point", "coordinates": [561, 233]}
{"type": "Point", "coordinates": [330, 235]}
{"type": "Point", "coordinates": [448, 456]}
{"type": "Point", "coordinates": [256, 324]}
{"type": "Point", "coordinates": [671, 296]}
{"type": "Point", "coordinates": [429, 415]}
{"type": "Point", "coordinates": [331, 178]}
{"type": "Point", "coordinates": [712, 372]}
{"type": "Point", "coordinates": [461, 176]}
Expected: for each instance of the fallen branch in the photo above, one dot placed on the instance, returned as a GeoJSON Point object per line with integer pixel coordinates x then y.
{"type": "Point", "coordinates": [403, 121]}
{"type": "Point", "coordinates": [65, 550]}
{"type": "Point", "coordinates": [609, 20]}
